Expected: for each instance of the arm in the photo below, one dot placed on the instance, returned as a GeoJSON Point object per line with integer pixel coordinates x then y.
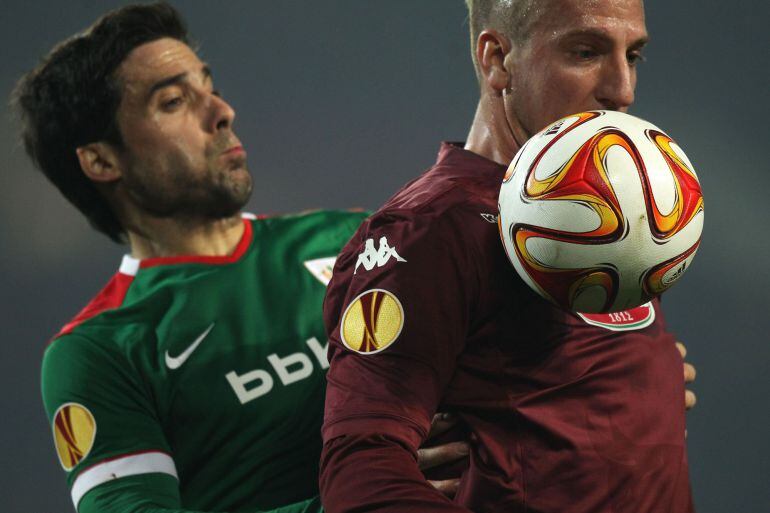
{"type": "Point", "coordinates": [376, 473]}
{"type": "Point", "coordinates": [397, 318]}
{"type": "Point", "coordinates": [143, 493]}
{"type": "Point", "coordinates": [158, 493]}
{"type": "Point", "coordinates": [106, 432]}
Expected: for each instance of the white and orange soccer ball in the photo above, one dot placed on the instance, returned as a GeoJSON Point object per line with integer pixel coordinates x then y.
{"type": "Point", "coordinates": [600, 212]}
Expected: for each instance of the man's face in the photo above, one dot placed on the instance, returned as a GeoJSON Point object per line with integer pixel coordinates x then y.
{"type": "Point", "coordinates": [180, 156]}
{"type": "Point", "coordinates": [581, 55]}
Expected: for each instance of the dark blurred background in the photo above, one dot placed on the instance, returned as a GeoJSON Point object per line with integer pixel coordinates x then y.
{"type": "Point", "coordinates": [341, 102]}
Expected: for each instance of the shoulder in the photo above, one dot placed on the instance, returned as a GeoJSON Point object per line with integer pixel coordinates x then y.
{"type": "Point", "coordinates": [310, 240]}
{"type": "Point", "coordinates": [459, 180]}
{"type": "Point", "coordinates": [74, 365]}
{"type": "Point", "coordinates": [308, 217]}
{"type": "Point", "coordinates": [440, 211]}
{"type": "Point", "coordinates": [112, 296]}
{"type": "Point", "coordinates": [445, 200]}
{"type": "Point", "coordinates": [65, 350]}
{"type": "Point", "coordinates": [422, 234]}
{"type": "Point", "coordinates": [312, 223]}
{"type": "Point", "coordinates": [93, 346]}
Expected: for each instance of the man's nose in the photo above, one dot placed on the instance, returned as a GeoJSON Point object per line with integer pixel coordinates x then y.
{"type": "Point", "coordinates": [221, 113]}
{"type": "Point", "coordinates": [618, 81]}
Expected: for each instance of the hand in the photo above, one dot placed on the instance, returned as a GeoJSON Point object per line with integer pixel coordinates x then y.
{"type": "Point", "coordinates": [689, 377]}
{"type": "Point", "coordinates": [428, 457]}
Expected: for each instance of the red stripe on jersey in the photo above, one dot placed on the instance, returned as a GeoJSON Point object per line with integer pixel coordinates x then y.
{"type": "Point", "coordinates": [111, 296]}
{"type": "Point", "coordinates": [240, 249]}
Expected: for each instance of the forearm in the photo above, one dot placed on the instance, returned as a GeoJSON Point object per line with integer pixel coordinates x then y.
{"type": "Point", "coordinates": [376, 473]}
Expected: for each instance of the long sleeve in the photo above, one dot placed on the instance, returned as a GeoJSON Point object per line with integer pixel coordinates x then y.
{"type": "Point", "coordinates": [158, 493]}
{"type": "Point", "coordinates": [397, 314]}
{"type": "Point", "coordinates": [375, 473]}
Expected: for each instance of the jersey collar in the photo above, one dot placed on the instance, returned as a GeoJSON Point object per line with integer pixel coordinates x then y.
{"type": "Point", "coordinates": [454, 154]}
{"type": "Point", "coordinates": [130, 265]}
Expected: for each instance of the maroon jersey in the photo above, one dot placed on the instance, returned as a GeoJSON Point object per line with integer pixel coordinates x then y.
{"type": "Point", "coordinates": [425, 313]}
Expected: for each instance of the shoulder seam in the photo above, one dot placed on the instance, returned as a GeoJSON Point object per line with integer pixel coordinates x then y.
{"type": "Point", "coordinates": [94, 308]}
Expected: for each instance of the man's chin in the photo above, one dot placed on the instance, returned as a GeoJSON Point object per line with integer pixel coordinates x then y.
{"type": "Point", "coordinates": [216, 205]}
{"type": "Point", "coordinates": [241, 186]}
{"type": "Point", "coordinates": [232, 193]}
{"type": "Point", "coordinates": [231, 205]}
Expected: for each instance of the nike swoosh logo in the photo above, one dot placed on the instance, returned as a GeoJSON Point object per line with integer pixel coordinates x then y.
{"type": "Point", "coordinates": [175, 362]}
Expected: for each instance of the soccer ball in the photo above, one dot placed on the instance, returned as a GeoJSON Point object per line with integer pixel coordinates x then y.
{"type": "Point", "coordinates": [600, 212]}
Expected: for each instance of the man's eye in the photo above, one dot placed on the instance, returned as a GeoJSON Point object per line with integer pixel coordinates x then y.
{"type": "Point", "coordinates": [172, 103]}
{"type": "Point", "coordinates": [635, 58]}
{"type": "Point", "coordinates": [584, 54]}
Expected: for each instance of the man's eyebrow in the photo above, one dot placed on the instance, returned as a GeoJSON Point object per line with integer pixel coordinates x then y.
{"type": "Point", "coordinates": [172, 80]}
{"type": "Point", "coordinates": [176, 79]}
{"type": "Point", "coordinates": [640, 43]}
{"type": "Point", "coordinates": [601, 34]}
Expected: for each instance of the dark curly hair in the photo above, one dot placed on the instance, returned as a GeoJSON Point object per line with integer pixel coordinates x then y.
{"type": "Point", "coordinates": [71, 99]}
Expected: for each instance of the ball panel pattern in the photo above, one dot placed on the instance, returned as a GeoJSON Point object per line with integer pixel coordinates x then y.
{"type": "Point", "coordinates": [600, 212]}
{"type": "Point", "coordinates": [688, 200]}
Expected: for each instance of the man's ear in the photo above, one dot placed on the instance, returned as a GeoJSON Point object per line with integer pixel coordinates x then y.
{"type": "Point", "coordinates": [99, 162]}
{"type": "Point", "coordinates": [491, 49]}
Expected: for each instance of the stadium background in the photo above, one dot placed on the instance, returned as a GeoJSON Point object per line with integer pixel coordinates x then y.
{"type": "Point", "coordinates": [341, 102]}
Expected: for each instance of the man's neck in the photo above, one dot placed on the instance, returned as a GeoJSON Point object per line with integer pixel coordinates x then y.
{"type": "Point", "coordinates": [171, 237]}
{"type": "Point", "coordinates": [490, 135]}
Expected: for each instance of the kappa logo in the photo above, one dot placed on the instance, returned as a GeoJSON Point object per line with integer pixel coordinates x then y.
{"type": "Point", "coordinates": [490, 218]}
{"type": "Point", "coordinates": [74, 430]}
{"type": "Point", "coordinates": [372, 258]}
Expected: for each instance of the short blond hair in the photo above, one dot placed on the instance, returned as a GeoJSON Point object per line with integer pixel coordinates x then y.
{"type": "Point", "coordinates": [513, 18]}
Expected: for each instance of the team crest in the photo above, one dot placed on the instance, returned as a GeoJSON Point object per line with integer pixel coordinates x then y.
{"type": "Point", "coordinates": [74, 430]}
{"type": "Point", "coordinates": [372, 322]}
{"type": "Point", "coordinates": [626, 320]}
{"type": "Point", "coordinates": [321, 268]}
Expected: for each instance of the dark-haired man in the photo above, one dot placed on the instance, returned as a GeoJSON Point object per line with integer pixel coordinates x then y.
{"type": "Point", "coordinates": [195, 378]}
{"type": "Point", "coordinates": [568, 413]}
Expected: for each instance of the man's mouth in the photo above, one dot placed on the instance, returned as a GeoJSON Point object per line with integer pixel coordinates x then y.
{"type": "Point", "coordinates": [234, 150]}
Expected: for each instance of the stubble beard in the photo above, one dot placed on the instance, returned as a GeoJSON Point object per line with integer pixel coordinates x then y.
{"type": "Point", "coordinates": [219, 191]}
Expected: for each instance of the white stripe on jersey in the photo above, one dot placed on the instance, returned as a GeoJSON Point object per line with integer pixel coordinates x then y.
{"type": "Point", "coordinates": [129, 265]}
{"type": "Point", "coordinates": [132, 465]}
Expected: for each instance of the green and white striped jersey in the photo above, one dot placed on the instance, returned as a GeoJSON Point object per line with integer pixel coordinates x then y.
{"type": "Point", "coordinates": [203, 374]}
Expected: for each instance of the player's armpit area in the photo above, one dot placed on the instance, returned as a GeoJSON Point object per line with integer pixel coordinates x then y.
{"type": "Point", "coordinates": [375, 473]}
